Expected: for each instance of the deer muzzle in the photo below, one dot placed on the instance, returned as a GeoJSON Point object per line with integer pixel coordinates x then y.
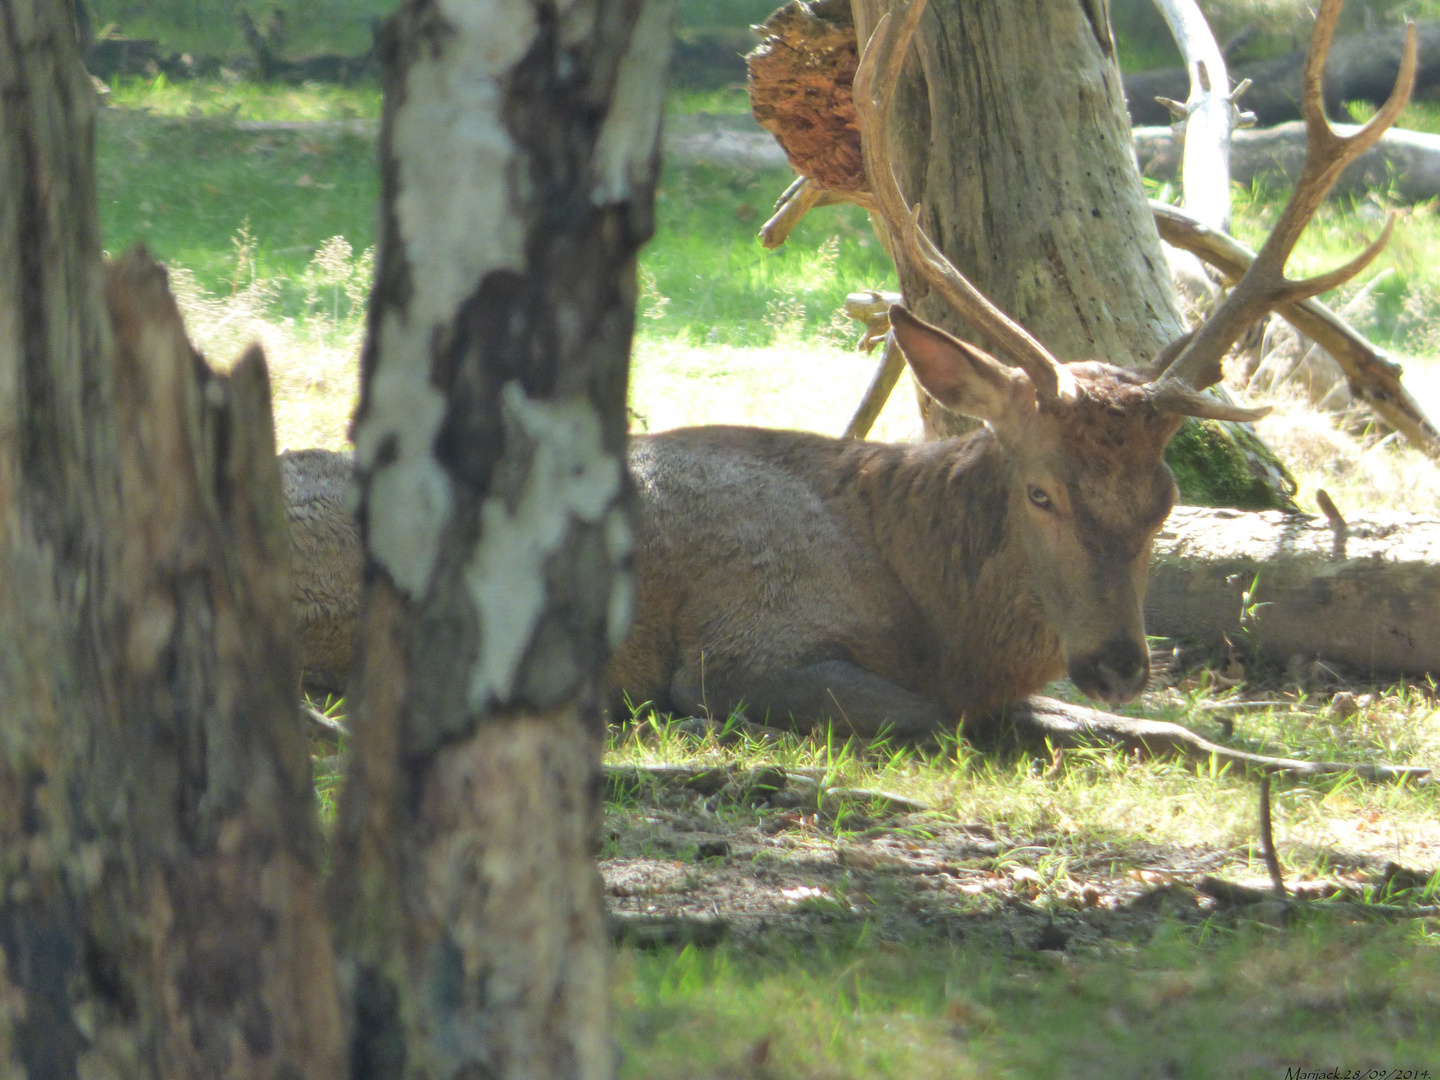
{"type": "Point", "coordinates": [1115, 672]}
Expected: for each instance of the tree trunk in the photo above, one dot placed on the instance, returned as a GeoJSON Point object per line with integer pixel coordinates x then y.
{"type": "Point", "coordinates": [519, 152]}
{"type": "Point", "coordinates": [1031, 191]}
{"type": "Point", "coordinates": [160, 905]}
{"type": "Point", "coordinates": [161, 911]}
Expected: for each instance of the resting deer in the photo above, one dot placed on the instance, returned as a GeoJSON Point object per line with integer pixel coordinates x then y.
{"type": "Point", "coordinates": [910, 587]}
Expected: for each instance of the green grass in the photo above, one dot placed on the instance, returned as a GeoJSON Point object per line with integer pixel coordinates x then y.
{"type": "Point", "coordinates": [965, 989]}
{"type": "Point", "coordinates": [244, 100]}
{"type": "Point", "coordinates": [209, 26]}
{"type": "Point", "coordinates": [187, 189]}
{"type": "Point", "coordinates": [1202, 1003]}
{"type": "Point", "coordinates": [723, 288]}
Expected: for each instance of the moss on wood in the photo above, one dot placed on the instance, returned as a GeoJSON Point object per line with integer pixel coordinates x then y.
{"type": "Point", "coordinates": [1219, 464]}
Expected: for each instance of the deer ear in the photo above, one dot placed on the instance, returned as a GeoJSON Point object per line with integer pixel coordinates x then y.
{"type": "Point", "coordinates": [957, 374]}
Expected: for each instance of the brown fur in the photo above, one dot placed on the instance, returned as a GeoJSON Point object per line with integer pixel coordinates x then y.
{"type": "Point", "coordinates": [325, 563]}
{"type": "Point", "coordinates": [875, 585]}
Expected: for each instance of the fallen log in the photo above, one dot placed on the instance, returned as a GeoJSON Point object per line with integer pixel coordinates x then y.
{"type": "Point", "coordinates": [1361, 67]}
{"type": "Point", "coordinates": [1363, 597]}
{"type": "Point", "coordinates": [1404, 163]}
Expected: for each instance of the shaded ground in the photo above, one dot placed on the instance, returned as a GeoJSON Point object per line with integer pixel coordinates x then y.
{"type": "Point", "coordinates": [683, 867]}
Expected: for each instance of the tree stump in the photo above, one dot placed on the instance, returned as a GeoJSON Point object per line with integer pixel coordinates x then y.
{"type": "Point", "coordinates": [801, 78]}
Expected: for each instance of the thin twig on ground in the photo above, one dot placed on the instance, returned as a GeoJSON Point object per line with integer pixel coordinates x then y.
{"type": "Point", "coordinates": [1267, 841]}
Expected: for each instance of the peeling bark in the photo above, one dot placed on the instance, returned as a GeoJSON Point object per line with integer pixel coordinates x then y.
{"type": "Point", "coordinates": [519, 151]}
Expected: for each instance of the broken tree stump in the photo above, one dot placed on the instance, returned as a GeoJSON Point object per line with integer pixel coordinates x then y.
{"type": "Point", "coordinates": [800, 79]}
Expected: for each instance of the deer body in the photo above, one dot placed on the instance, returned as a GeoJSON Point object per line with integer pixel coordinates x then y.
{"type": "Point", "coordinates": [905, 587]}
{"type": "Point", "coordinates": [823, 578]}
{"type": "Point", "coordinates": [911, 588]}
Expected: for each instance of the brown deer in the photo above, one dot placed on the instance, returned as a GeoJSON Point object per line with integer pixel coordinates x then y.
{"type": "Point", "coordinates": [909, 588]}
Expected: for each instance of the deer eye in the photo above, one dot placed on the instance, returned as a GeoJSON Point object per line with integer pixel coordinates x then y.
{"type": "Point", "coordinates": [1038, 497]}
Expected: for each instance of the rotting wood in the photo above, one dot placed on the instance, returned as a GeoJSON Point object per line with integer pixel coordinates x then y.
{"type": "Point", "coordinates": [800, 77]}
{"type": "Point", "coordinates": [1374, 378]}
{"type": "Point", "coordinates": [161, 909]}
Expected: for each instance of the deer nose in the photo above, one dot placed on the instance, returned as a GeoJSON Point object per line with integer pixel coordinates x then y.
{"type": "Point", "coordinates": [1117, 671]}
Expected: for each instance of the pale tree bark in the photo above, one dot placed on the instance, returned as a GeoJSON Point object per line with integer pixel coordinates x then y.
{"type": "Point", "coordinates": [161, 909]}
{"type": "Point", "coordinates": [519, 153]}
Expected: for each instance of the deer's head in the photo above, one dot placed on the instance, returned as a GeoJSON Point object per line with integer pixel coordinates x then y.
{"type": "Point", "coordinates": [1088, 487]}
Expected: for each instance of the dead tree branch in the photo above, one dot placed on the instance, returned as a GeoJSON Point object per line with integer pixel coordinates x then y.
{"type": "Point", "coordinates": [1374, 378]}
{"type": "Point", "coordinates": [1038, 722]}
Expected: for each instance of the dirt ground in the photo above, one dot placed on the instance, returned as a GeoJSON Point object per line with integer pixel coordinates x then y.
{"type": "Point", "coordinates": [680, 865]}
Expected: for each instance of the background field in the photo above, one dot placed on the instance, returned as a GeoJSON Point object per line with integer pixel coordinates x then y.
{"type": "Point", "coordinates": [1040, 919]}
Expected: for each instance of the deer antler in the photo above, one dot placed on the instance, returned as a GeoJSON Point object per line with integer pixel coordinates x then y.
{"type": "Point", "coordinates": [872, 109]}
{"type": "Point", "coordinates": [1265, 285]}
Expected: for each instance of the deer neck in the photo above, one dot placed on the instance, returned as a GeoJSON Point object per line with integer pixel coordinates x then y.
{"type": "Point", "coordinates": [942, 518]}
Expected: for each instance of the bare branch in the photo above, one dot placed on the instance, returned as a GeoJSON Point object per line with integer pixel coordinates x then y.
{"type": "Point", "coordinates": [1209, 115]}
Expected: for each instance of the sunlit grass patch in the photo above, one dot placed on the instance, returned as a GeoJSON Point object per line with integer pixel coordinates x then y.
{"type": "Point", "coordinates": [724, 288]}
{"type": "Point", "coordinates": [808, 386]}
{"type": "Point", "coordinates": [1098, 797]}
{"type": "Point", "coordinates": [235, 99]}
{"type": "Point", "coordinates": [312, 356]}
{"type": "Point", "coordinates": [185, 189]}
{"type": "Point", "coordinates": [978, 985]}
